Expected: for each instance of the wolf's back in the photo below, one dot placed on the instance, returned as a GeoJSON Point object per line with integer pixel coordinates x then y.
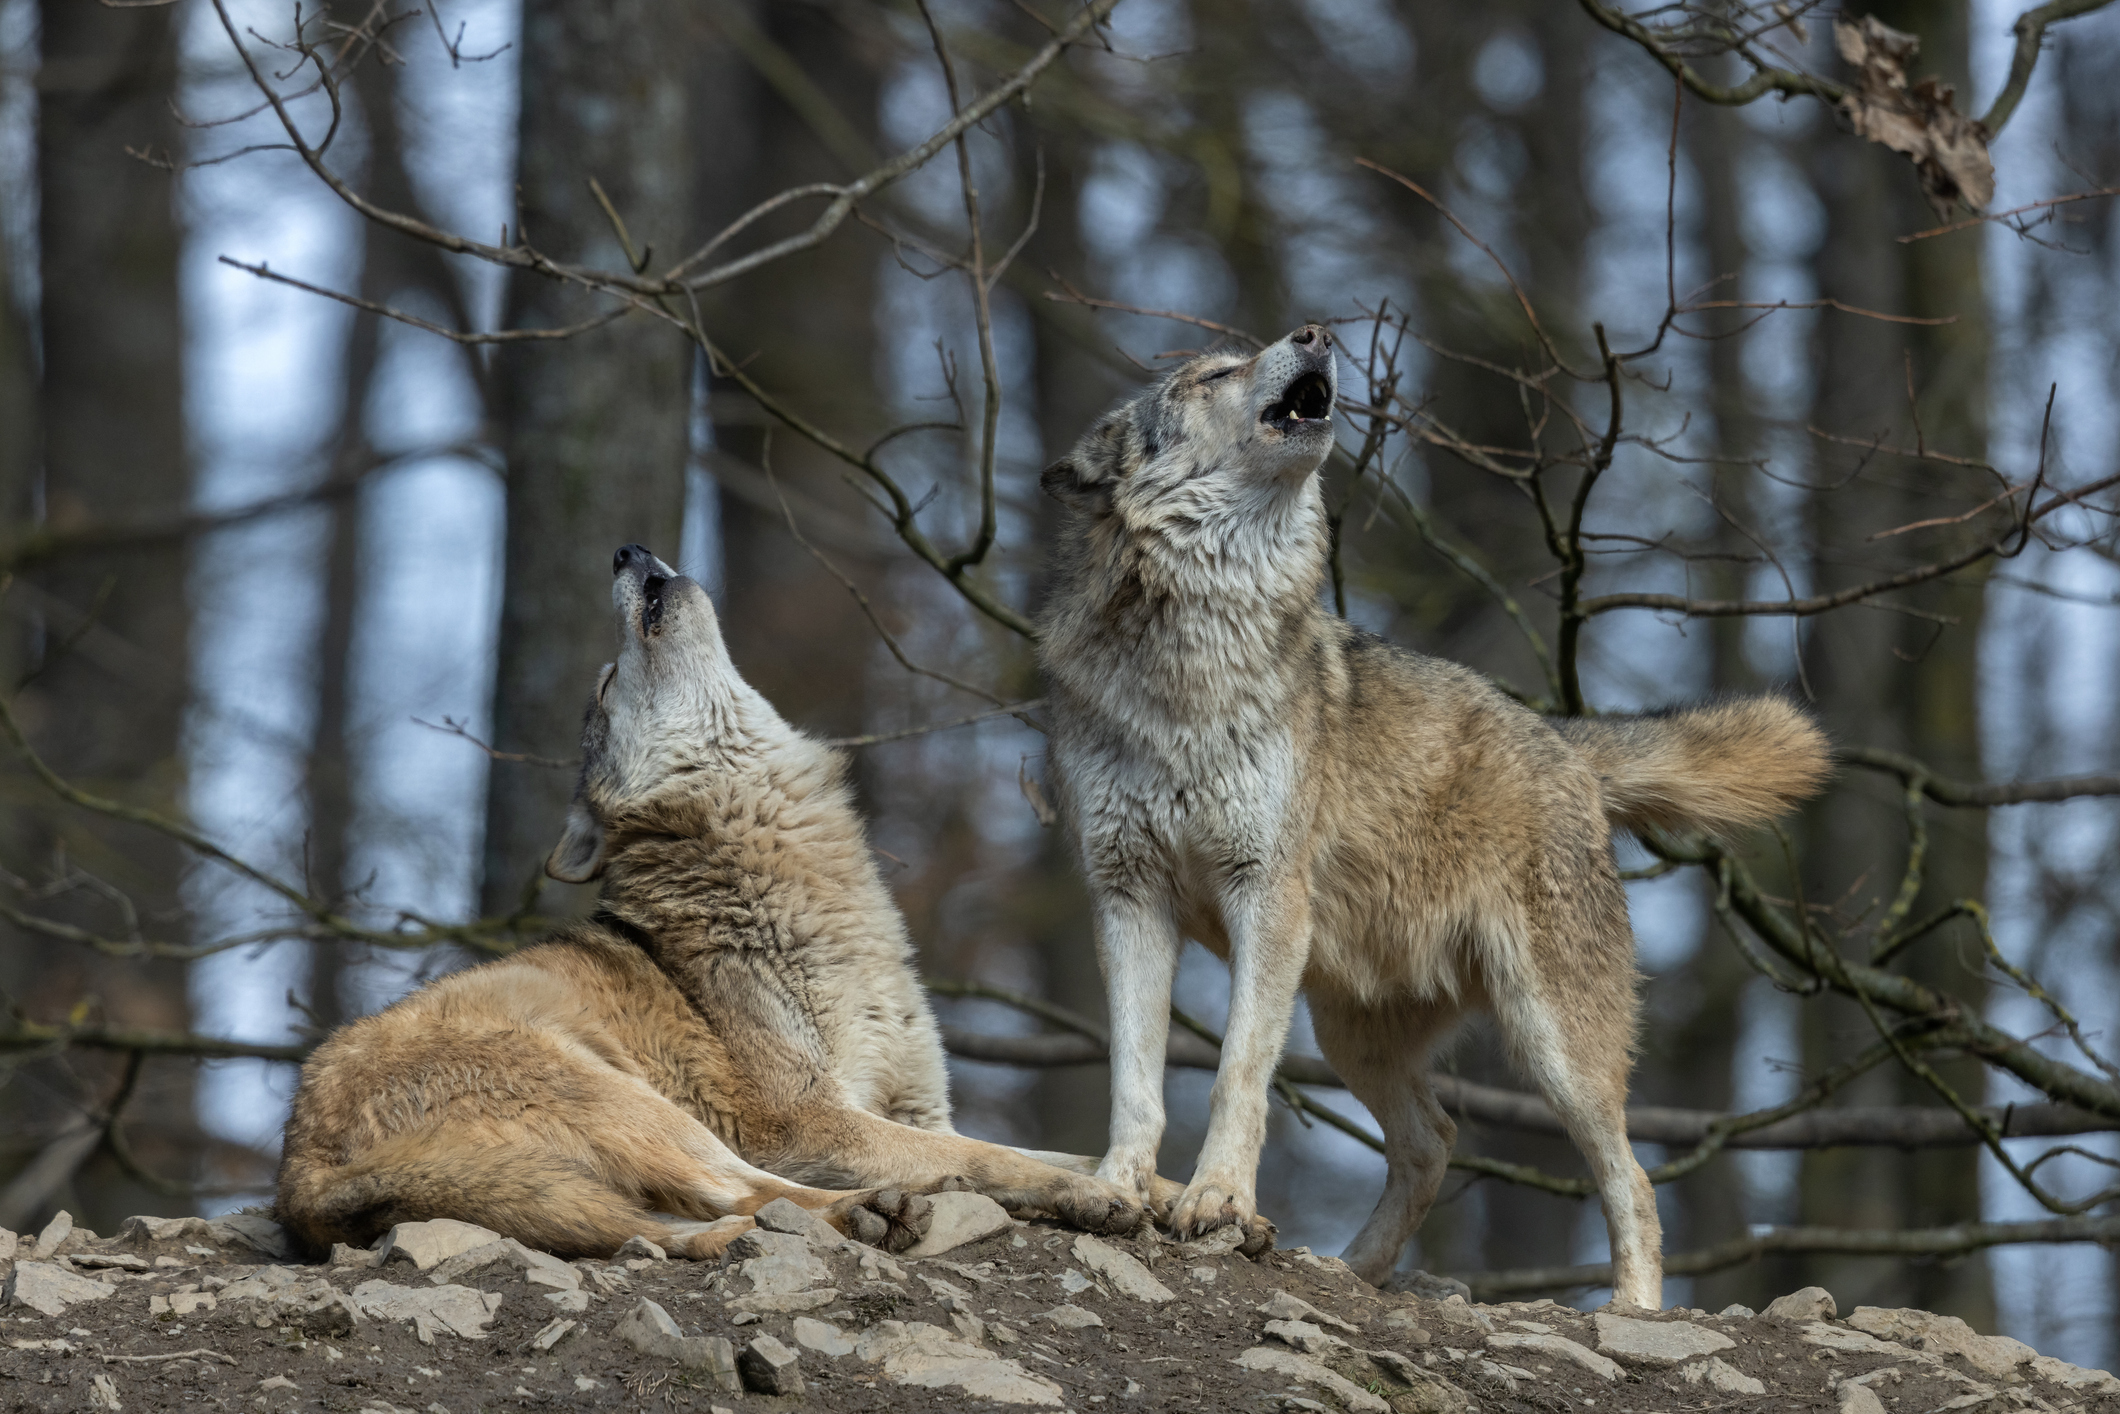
{"type": "Point", "coordinates": [1716, 767]}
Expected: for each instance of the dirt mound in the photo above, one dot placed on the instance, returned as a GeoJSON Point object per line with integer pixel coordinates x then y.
{"type": "Point", "coordinates": [446, 1318]}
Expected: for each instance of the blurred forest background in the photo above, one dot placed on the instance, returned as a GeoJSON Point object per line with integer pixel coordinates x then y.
{"type": "Point", "coordinates": [279, 566]}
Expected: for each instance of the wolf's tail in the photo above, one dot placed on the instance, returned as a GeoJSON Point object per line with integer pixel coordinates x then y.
{"type": "Point", "coordinates": [526, 1192]}
{"type": "Point", "coordinates": [1717, 767]}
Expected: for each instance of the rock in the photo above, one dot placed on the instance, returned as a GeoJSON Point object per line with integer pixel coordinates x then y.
{"type": "Point", "coordinates": [1456, 1311]}
{"type": "Point", "coordinates": [1126, 1274]}
{"type": "Point", "coordinates": [1656, 1342]}
{"type": "Point", "coordinates": [1840, 1338]}
{"type": "Point", "coordinates": [1071, 1318]}
{"type": "Point", "coordinates": [1719, 1374]}
{"type": "Point", "coordinates": [108, 1259]}
{"type": "Point", "coordinates": [8, 1243]}
{"type": "Point", "coordinates": [1283, 1307]}
{"type": "Point", "coordinates": [277, 1382]}
{"type": "Point", "coordinates": [649, 1329]}
{"type": "Point", "coordinates": [788, 1216]}
{"type": "Point", "coordinates": [1405, 1323]}
{"type": "Point", "coordinates": [538, 1268]}
{"type": "Point", "coordinates": [49, 1289]}
{"type": "Point", "coordinates": [344, 1256]}
{"type": "Point", "coordinates": [146, 1231]}
{"type": "Point", "coordinates": [427, 1245]}
{"type": "Point", "coordinates": [918, 1354]}
{"type": "Point", "coordinates": [1995, 1355]}
{"type": "Point", "coordinates": [778, 1262]}
{"type": "Point", "coordinates": [55, 1232]}
{"type": "Point", "coordinates": [254, 1231]}
{"type": "Point", "coordinates": [182, 1303]}
{"type": "Point", "coordinates": [639, 1246]}
{"type": "Point", "coordinates": [1857, 1399]}
{"type": "Point", "coordinates": [1274, 1360]}
{"type": "Point", "coordinates": [553, 1334]}
{"type": "Point", "coordinates": [103, 1393]}
{"type": "Point", "coordinates": [1303, 1336]}
{"type": "Point", "coordinates": [1735, 1312]}
{"type": "Point", "coordinates": [460, 1310]}
{"type": "Point", "coordinates": [960, 1218]}
{"type": "Point", "coordinates": [2074, 1377]}
{"type": "Point", "coordinates": [1558, 1347]}
{"type": "Point", "coordinates": [1428, 1285]}
{"type": "Point", "coordinates": [572, 1302]}
{"type": "Point", "coordinates": [821, 1336]}
{"type": "Point", "coordinates": [782, 1303]}
{"type": "Point", "coordinates": [1812, 1303]}
{"type": "Point", "coordinates": [769, 1367]}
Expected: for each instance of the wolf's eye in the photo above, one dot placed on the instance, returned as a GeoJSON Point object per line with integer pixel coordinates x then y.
{"type": "Point", "coordinates": [1218, 373]}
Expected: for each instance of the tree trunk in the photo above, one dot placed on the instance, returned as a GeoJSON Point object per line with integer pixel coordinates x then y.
{"type": "Point", "coordinates": [595, 426]}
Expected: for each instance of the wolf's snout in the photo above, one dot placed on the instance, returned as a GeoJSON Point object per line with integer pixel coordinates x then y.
{"type": "Point", "coordinates": [1311, 335]}
{"type": "Point", "coordinates": [630, 556]}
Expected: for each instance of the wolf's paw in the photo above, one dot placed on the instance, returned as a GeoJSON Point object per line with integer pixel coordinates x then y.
{"type": "Point", "coordinates": [1208, 1205]}
{"type": "Point", "coordinates": [1099, 1207]}
{"type": "Point", "coordinates": [1259, 1234]}
{"type": "Point", "coordinates": [890, 1219]}
{"type": "Point", "coordinates": [1163, 1195]}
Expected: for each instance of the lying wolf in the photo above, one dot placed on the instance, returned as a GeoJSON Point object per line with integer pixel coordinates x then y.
{"type": "Point", "coordinates": [738, 1022]}
{"type": "Point", "coordinates": [1322, 809]}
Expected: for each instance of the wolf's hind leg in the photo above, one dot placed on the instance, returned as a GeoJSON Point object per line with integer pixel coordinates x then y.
{"type": "Point", "coordinates": [1382, 1053]}
{"type": "Point", "coordinates": [1572, 1025]}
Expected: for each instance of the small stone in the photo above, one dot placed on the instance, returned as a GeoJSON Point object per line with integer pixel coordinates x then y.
{"type": "Point", "coordinates": [103, 1394]}
{"type": "Point", "coordinates": [1303, 1368]}
{"type": "Point", "coordinates": [583, 1384]}
{"type": "Point", "coordinates": [1071, 1318]}
{"type": "Point", "coordinates": [1126, 1274]}
{"type": "Point", "coordinates": [344, 1256]}
{"type": "Point", "coordinates": [553, 1334]}
{"type": "Point", "coordinates": [461, 1310]}
{"type": "Point", "coordinates": [276, 1382]}
{"type": "Point", "coordinates": [1303, 1336]}
{"type": "Point", "coordinates": [1204, 1275]}
{"type": "Point", "coordinates": [1283, 1307]}
{"type": "Point", "coordinates": [55, 1232]}
{"type": "Point", "coordinates": [959, 1218]}
{"type": "Point", "coordinates": [778, 1262]}
{"type": "Point", "coordinates": [1857, 1399]}
{"type": "Point", "coordinates": [639, 1246]}
{"type": "Point", "coordinates": [428, 1244]}
{"type": "Point", "coordinates": [1656, 1342]}
{"type": "Point", "coordinates": [120, 1260]}
{"type": "Point", "coordinates": [786, 1215]}
{"type": "Point", "coordinates": [49, 1289]}
{"type": "Point", "coordinates": [769, 1367]}
{"type": "Point", "coordinates": [1719, 1374]}
{"type": "Point", "coordinates": [821, 1336]}
{"type": "Point", "coordinates": [254, 1231]}
{"type": "Point", "coordinates": [572, 1302]}
{"type": "Point", "coordinates": [649, 1329]}
{"type": "Point", "coordinates": [1002, 1335]}
{"type": "Point", "coordinates": [1735, 1312]}
{"type": "Point", "coordinates": [1555, 1346]}
{"type": "Point", "coordinates": [1405, 1323]}
{"type": "Point", "coordinates": [1428, 1285]}
{"type": "Point", "coordinates": [8, 1243]}
{"type": "Point", "coordinates": [1812, 1303]}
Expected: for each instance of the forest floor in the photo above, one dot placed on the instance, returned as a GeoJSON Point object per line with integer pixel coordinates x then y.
{"type": "Point", "coordinates": [445, 1319]}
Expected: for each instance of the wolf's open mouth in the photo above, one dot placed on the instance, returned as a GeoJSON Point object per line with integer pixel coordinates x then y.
{"type": "Point", "coordinates": [1307, 399]}
{"type": "Point", "coordinates": [651, 603]}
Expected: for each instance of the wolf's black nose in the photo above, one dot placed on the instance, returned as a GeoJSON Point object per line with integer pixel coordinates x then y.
{"type": "Point", "coordinates": [630, 555]}
{"type": "Point", "coordinates": [1310, 334]}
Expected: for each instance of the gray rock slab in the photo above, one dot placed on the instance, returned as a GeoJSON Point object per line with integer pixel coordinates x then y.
{"type": "Point", "coordinates": [538, 1268]}
{"type": "Point", "coordinates": [1126, 1274]}
{"type": "Point", "coordinates": [1810, 1303]}
{"type": "Point", "coordinates": [50, 1290]}
{"type": "Point", "coordinates": [1283, 1307]}
{"type": "Point", "coordinates": [639, 1246]}
{"type": "Point", "coordinates": [255, 1232]}
{"type": "Point", "coordinates": [460, 1310]}
{"type": "Point", "coordinates": [1071, 1318]}
{"type": "Point", "coordinates": [769, 1367]}
{"type": "Point", "coordinates": [1642, 1342]}
{"type": "Point", "coordinates": [785, 1215]}
{"type": "Point", "coordinates": [927, 1357]}
{"type": "Point", "coordinates": [649, 1329]}
{"type": "Point", "coordinates": [429, 1244]}
{"type": "Point", "coordinates": [55, 1232]}
{"type": "Point", "coordinates": [1512, 1345]}
{"type": "Point", "coordinates": [1275, 1360]}
{"type": "Point", "coordinates": [960, 1218]}
{"type": "Point", "coordinates": [778, 1262]}
{"type": "Point", "coordinates": [822, 1337]}
{"type": "Point", "coordinates": [1720, 1374]}
{"type": "Point", "coordinates": [1995, 1355]}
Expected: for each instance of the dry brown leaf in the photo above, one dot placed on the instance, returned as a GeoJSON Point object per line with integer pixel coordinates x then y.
{"type": "Point", "coordinates": [1949, 150]}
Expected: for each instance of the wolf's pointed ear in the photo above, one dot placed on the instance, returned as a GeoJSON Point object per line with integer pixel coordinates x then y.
{"type": "Point", "coordinates": [1066, 483]}
{"type": "Point", "coordinates": [579, 855]}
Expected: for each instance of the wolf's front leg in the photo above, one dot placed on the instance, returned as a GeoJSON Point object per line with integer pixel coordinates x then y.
{"type": "Point", "coordinates": [1137, 950]}
{"type": "Point", "coordinates": [1268, 921]}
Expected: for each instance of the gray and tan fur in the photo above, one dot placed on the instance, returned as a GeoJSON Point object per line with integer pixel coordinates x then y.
{"type": "Point", "coordinates": [1324, 810]}
{"type": "Point", "coordinates": [739, 1022]}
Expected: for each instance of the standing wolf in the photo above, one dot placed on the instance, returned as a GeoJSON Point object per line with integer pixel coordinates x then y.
{"type": "Point", "coordinates": [738, 1022]}
{"type": "Point", "coordinates": [1324, 810]}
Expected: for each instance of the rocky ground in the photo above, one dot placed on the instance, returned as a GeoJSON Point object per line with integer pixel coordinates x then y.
{"type": "Point", "coordinates": [445, 1318]}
